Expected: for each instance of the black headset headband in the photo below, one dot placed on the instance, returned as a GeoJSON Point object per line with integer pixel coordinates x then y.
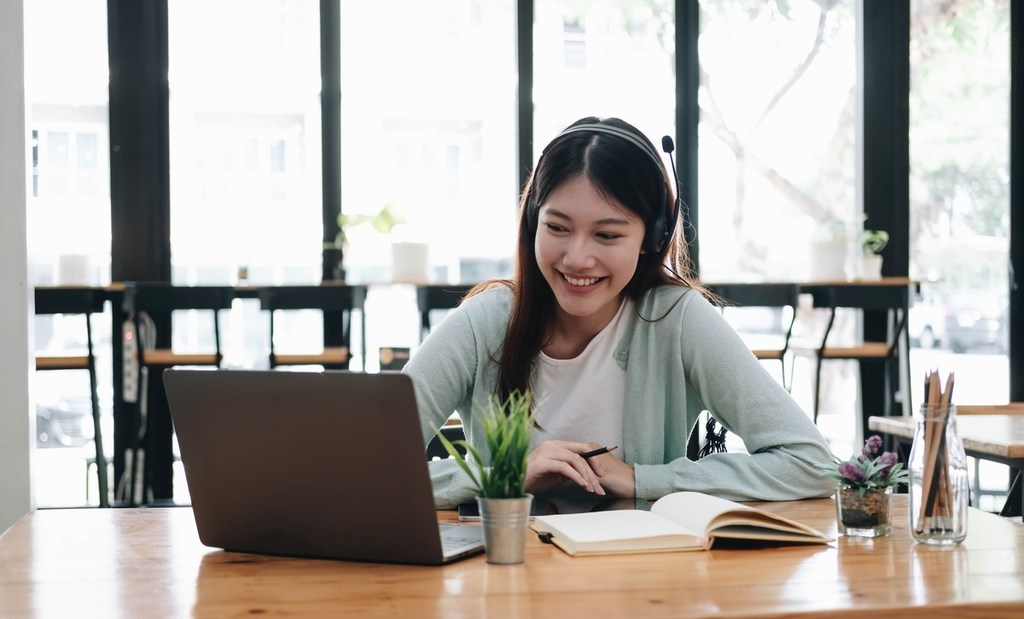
{"type": "Point", "coordinates": [660, 230]}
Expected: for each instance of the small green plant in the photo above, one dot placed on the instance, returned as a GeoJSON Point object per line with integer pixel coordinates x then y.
{"type": "Point", "coordinates": [873, 241]}
{"type": "Point", "coordinates": [507, 425]}
{"type": "Point", "coordinates": [384, 222]}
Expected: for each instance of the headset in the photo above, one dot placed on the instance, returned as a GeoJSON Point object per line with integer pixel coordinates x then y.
{"type": "Point", "coordinates": [660, 231]}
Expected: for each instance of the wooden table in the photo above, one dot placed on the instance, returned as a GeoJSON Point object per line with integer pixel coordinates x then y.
{"type": "Point", "coordinates": [148, 562]}
{"type": "Point", "coordinates": [999, 438]}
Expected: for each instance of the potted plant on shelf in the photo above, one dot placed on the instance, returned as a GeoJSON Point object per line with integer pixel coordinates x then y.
{"type": "Point", "coordinates": [864, 495]}
{"type": "Point", "coordinates": [872, 242]}
{"type": "Point", "coordinates": [384, 221]}
{"type": "Point", "coordinates": [500, 478]}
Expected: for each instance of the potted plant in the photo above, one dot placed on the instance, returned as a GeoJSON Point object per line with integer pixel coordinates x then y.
{"type": "Point", "coordinates": [864, 495]}
{"type": "Point", "coordinates": [500, 478]}
{"type": "Point", "coordinates": [872, 242]}
{"type": "Point", "coordinates": [384, 221]}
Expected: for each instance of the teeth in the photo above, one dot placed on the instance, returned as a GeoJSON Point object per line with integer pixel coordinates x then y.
{"type": "Point", "coordinates": [582, 281]}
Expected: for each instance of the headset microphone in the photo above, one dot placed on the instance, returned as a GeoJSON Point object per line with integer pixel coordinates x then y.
{"type": "Point", "coordinates": [669, 147]}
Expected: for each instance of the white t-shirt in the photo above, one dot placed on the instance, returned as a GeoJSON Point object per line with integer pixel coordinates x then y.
{"type": "Point", "coordinates": [580, 399]}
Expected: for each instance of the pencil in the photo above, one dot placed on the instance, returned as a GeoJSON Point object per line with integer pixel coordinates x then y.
{"type": "Point", "coordinates": [598, 451]}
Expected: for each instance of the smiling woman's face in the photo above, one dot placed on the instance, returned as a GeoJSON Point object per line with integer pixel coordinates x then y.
{"type": "Point", "coordinates": [587, 247]}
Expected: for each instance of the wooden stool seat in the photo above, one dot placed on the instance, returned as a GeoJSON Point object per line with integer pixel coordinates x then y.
{"type": "Point", "coordinates": [169, 357]}
{"type": "Point", "coordinates": [332, 355]}
{"type": "Point", "coordinates": [867, 350]}
{"type": "Point", "coordinates": [63, 362]}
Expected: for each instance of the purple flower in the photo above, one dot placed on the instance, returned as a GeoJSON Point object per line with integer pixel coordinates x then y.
{"type": "Point", "coordinates": [851, 472]}
{"type": "Point", "coordinates": [871, 446]}
{"type": "Point", "coordinates": [885, 463]}
{"type": "Point", "coordinates": [871, 468]}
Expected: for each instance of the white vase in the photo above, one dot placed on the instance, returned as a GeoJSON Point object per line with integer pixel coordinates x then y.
{"type": "Point", "coordinates": [827, 261]}
{"type": "Point", "coordinates": [74, 270]}
{"type": "Point", "coordinates": [410, 262]}
{"type": "Point", "coordinates": [871, 266]}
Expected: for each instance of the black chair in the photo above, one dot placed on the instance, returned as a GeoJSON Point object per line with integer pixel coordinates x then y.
{"type": "Point", "coordinates": [783, 298]}
{"type": "Point", "coordinates": [85, 302]}
{"type": "Point", "coordinates": [333, 300]}
{"type": "Point", "coordinates": [893, 300]}
{"type": "Point", "coordinates": [706, 437]}
{"type": "Point", "coordinates": [452, 432]}
{"type": "Point", "coordinates": [148, 305]}
{"type": "Point", "coordinates": [437, 297]}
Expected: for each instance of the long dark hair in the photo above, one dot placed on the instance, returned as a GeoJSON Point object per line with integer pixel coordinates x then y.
{"type": "Point", "coordinates": [619, 171]}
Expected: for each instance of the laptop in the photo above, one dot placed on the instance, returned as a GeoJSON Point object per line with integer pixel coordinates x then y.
{"type": "Point", "coordinates": [326, 465]}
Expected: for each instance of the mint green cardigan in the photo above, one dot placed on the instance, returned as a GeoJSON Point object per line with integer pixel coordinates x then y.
{"type": "Point", "coordinates": [685, 362]}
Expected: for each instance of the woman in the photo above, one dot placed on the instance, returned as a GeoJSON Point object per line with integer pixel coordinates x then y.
{"type": "Point", "coordinates": [606, 327]}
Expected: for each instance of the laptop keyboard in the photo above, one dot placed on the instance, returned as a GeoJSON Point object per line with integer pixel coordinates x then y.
{"type": "Point", "coordinates": [456, 539]}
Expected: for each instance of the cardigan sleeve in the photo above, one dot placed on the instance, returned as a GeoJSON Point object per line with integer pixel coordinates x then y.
{"type": "Point", "coordinates": [714, 369]}
{"type": "Point", "coordinates": [448, 372]}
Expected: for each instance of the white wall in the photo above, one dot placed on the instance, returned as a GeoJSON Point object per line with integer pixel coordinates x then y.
{"type": "Point", "coordinates": [15, 421]}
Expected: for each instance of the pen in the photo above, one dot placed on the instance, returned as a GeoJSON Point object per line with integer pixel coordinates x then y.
{"type": "Point", "coordinates": [598, 451]}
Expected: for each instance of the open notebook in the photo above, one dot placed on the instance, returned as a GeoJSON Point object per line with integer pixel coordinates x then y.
{"type": "Point", "coordinates": [312, 464]}
{"type": "Point", "coordinates": [677, 521]}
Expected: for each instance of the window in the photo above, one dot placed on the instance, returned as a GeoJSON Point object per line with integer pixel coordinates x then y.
{"type": "Point", "coordinates": [959, 194]}
{"type": "Point", "coordinates": [69, 233]}
{"type": "Point", "coordinates": [603, 59]}
{"type": "Point", "coordinates": [69, 210]}
{"type": "Point", "coordinates": [244, 156]}
{"type": "Point", "coordinates": [776, 137]}
{"type": "Point", "coordinates": [245, 141]}
{"type": "Point", "coordinates": [429, 132]}
{"type": "Point", "coordinates": [429, 143]}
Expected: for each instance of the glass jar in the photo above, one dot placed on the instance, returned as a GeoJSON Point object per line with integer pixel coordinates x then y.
{"type": "Point", "coordinates": [939, 487]}
{"type": "Point", "coordinates": [864, 513]}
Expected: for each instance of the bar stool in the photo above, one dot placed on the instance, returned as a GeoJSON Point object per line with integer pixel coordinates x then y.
{"type": "Point", "coordinates": [144, 303]}
{"type": "Point", "coordinates": [82, 301]}
{"type": "Point", "coordinates": [332, 300]}
{"type": "Point", "coordinates": [879, 297]}
{"type": "Point", "coordinates": [744, 296]}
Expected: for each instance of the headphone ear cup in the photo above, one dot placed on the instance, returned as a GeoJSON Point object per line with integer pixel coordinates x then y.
{"type": "Point", "coordinates": [668, 226]}
{"type": "Point", "coordinates": [531, 212]}
{"type": "Point", "coordinates": [655, 238]}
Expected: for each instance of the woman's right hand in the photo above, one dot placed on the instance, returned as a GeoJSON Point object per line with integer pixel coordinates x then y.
{"type": "Point", "coordinates": [554, 462]}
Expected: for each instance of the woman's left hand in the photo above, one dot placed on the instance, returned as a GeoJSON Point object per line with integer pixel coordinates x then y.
{"type": "Point", "coordinates": [617, 477]}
